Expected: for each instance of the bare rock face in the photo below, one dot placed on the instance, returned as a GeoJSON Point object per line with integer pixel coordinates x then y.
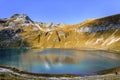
{"type": "Point", "coordinates": [3, 20]}
{"type": "Point", "coordinates": [23, 17]}
{"type": "Point", "coordinates": [20, 31]}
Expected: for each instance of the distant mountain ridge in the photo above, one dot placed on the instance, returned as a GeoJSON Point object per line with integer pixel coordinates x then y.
{"type": "Point", "coordinates": [21, 31]}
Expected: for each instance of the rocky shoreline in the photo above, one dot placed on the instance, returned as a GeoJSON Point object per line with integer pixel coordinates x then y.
{"type": "Point", "coordinates": [11, 73]}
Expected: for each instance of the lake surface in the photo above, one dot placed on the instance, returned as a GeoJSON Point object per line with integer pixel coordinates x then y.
{"type": "Point", "coordinates": [59, 61]}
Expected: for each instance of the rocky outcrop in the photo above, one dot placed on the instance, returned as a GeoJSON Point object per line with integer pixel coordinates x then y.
{"type": "Point", "coordinates": [22, 17]}
{"type": "Point", "coordinates": [20, 31]}
{"type": "Point", "coordinates": [102, 24]}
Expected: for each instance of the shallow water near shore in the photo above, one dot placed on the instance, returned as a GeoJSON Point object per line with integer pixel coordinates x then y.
{"type": "Point", "coordinates": [59, 61]}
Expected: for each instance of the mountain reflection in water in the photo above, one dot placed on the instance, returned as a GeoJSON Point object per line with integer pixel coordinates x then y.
{"type": "Point", "coordinates": [59, 61]}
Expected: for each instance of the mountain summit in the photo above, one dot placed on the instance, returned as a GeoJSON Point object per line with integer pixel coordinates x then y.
{"type": "Point", "coordinates": [20, 31]}
{"type": "Point", "coordinates": [22, 17]}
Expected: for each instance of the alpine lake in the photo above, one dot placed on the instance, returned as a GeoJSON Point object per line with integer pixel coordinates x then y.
{"type": "Point", "coordinates": [59, 61]}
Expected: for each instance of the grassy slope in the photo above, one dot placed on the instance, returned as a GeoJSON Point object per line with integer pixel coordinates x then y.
{"type": "Point", "coordinates": [67, 36]}
{"type": "Point", "coordinates": [70, 39]}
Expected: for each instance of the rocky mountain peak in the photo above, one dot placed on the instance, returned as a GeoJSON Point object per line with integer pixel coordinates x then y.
{"type": "Point", "coordinates": [18, 15]}
{"type": "Point", "coordinates": [22, 17]}
{"type": "Point", "coordinates": [20, 31]}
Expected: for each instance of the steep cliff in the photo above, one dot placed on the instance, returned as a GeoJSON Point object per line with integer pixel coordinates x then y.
{"type": "Point", "coordinates": [20, 31]}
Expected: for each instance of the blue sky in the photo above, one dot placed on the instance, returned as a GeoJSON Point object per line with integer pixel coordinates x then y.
{"type": "Point", "coordinates": [64, 11]}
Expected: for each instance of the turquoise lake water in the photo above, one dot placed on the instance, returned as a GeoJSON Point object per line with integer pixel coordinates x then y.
{"type": "Point", "coordinates": [59, 61]}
